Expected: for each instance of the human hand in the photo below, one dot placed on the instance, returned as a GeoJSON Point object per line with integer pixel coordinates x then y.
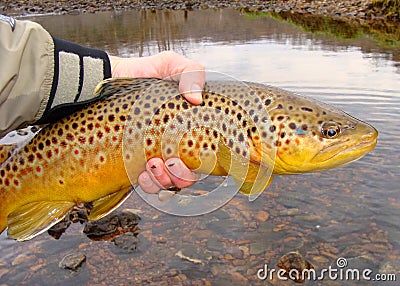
{"type": "Point", "coordinates": [165, 65]}
{"type": "Point", "coordinates": [191, 78]}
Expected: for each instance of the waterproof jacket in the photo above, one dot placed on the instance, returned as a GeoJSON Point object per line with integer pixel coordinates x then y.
{"type": "Point", "coordinates": [43, 78]}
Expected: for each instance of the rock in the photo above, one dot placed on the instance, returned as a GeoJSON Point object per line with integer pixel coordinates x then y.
{"type": "Point", "coordinates": [72, 261]}
{"type": "Point", "coordinates": [294, 260]}
{"type": "Point", "coordinates": [256, 248]}
{"type": "Point", "coordinates": [262, 215]}
{"type": "Point", "coordinates": [127, 242]}
{"type": "Point", "coordinates": [214, 244]}
{"type": "Point", "coordinates": [112, 225]}
{"type": "Point", "coordinates": [20, 259]}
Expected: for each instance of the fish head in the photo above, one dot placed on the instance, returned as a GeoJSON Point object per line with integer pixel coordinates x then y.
{"type": "Point", "coordinates": [312, 136]}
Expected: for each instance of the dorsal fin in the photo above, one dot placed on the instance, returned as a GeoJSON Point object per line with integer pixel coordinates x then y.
{"type": "Point", "coordinates": [114, 87]}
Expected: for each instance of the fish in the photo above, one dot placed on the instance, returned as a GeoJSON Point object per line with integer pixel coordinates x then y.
{"type": "Point", "coordinates": [246, 130]}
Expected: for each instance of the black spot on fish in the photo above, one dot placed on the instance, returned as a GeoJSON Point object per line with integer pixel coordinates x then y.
{"type": "Point", "coordinates": [267, 102]}
{"type": "Point", "coordinates": [272, 128]}
{"type": "Point", "coordinates": [166, 118]}
{"type": "Point", "coordinates": [307, 109]}
{"type": "Point", "coordinates": [292, 125]}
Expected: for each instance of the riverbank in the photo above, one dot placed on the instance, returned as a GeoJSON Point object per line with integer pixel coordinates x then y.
{"type": "Point", "coordinates": [358, 9]}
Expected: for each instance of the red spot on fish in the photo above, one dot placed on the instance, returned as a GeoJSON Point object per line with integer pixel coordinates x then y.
{"type": "Point", "coordinates": [76, 152]}
{"type": "Point", "coordinates": [101, 159]}
{"type": "Point", "coordinates": [48, 153]}
{"type": "Point", "coordinates": [297, 141]}
{"type": "Point", "coordinates": [7, 182]}
{"type": "Point", "coordinates": [114, 138]}
{"type": "Point", "coordinates": [16, 183]}
{"type": "Point", "coordinates": [38, 169]}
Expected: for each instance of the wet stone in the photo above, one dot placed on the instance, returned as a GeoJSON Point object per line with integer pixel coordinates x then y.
{"type": "Point", "coordinates": [294, 260]}
{"type": "Point", "coordinates": [128, 243]}
{"type": "Point", "coordinates": [256, 248]}
{"type": "Point", "coordinates": [112, 226]}
{"type": "Point", "coordinates": [72, 261]}
{"type": "Point", "coordinates": [214, 244]}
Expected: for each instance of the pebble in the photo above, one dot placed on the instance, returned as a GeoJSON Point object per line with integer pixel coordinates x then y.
{"type": "Point", "coordinates": [72, 261]}
{"type": "Point", "coordinates": [256, 248]}
{"type": "Point", "coordinates": [127, 242]}
{"type": "Point", "coordinates": [214, 244]}
{"type": "Point", "coordinates": [262, 215]}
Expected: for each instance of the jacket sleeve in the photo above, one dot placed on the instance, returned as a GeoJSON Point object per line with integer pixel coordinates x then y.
{"type": "Point", "coordinates": [43, 78]}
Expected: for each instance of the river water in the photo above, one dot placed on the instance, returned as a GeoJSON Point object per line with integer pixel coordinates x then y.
{"type": "Point", "coordinates": [351, 212]}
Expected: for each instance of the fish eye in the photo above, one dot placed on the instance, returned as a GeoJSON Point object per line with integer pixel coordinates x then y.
{"type": "Point", "coordinates": [330, 130]}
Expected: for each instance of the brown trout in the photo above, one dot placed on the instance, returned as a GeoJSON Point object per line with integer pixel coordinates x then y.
{"type": "Point", "coordinates": [96, 154]}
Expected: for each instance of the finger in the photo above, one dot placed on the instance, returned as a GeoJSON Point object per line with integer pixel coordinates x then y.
{"type": "Point", "coordinates": [147, 184]}
{"type": "Point", "coordinates": [180, 175]}
{"type": "Point", "coordinates": [156, 167]}
{"type": "Point", "coordinates": [191, 83]}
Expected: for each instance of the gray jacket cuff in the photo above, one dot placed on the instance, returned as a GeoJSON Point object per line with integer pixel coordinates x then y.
{"type": "Point", "coordinates": [77, 71]}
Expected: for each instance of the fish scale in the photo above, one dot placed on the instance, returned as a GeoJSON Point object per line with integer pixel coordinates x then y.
{"type": "Point", "coordinates": [246, 130]}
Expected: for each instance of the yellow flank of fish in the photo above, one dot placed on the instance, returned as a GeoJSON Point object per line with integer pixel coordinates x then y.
{"type": "Point", "coordinates": [96, 154]}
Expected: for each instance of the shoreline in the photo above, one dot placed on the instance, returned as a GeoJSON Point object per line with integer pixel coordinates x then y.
{"type": "Point", "coordinates": [345, 9]}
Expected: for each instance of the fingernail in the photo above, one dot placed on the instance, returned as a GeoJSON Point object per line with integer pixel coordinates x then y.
{"type": "Point", "coordinates": [156, 170]}
{"type": "Point", "coordinates": [175, 167]}
{"type": "Point", "coordinates": [146, 180]}
{"type": "Point", "coordinates": [195, 93]}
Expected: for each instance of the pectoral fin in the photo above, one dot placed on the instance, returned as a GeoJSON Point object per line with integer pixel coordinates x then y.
{"type": "Point", "coordinates": [234, 164]}
{"type": "Point", "coordinates": [251, 178]}
{"type": "Point", "coordinates": [254, 189]}
{"type": "Point", "coordinates": [34, 218]}
{"type": "Point", "coordinates": [107, 204]}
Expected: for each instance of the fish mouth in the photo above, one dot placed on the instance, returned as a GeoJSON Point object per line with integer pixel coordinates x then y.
{"type": "Point", "coordinates": [341, 153]}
